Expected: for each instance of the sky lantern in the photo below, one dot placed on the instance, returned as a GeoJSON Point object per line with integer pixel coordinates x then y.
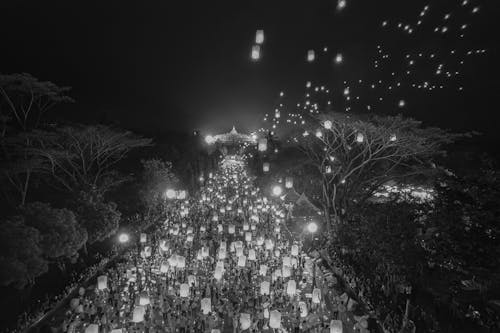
{"type": "Point", "coordinates": [295, 250]}
{"type": "Point", "coordinates": [259, 37]}
{"type": "Point", "coordinates": [255, 55]}
{"type": "Point", "coordinates": [286, 271]}
{"type": "Point", "coordinates": [393, 137]}
{"type": "Point", "coordinates": [264, 287]}
{"type": "Point", "coordinates": [184, 290]}
{"type": "Point", "coordinates": [263, 270]}
{"type": "Point", "coordinates": [206, 305]}
{"type": "Point", "coordinates": [248, 236]}
{"type": "Point", "coordinates": [339, 58]}
{"type": "Point", "coordinates": [143, 299]}
{"type": "Point", "coordinates": [251, 255]}
{"type": "Point", "coordinates": [205, 251]}
{"type": "Point", "coordinates": [311, 56]}
{"type": "Point", "coordinates": [327, 124]}
{"type": "Point", "coordinates": [181, 262]}
{"type": "Point", "coordinates": [218, 273]}
{"type": "Point", "coordinates": [269, 244]}
{"type": "Point", "coordinates": [102, 282]}
{"type": "Point", "coordinates": [328, 169]}
{"type": "Point", "coordinates": [336, 326]}
{"type": "Point", "coordinates": [245, 321]}
{"type": "Point", "coordinates": [275, 319]}
{"type": "Point", "coordinates": [242, 260]}
{"type": "Point", "coordinates": [239, 251]}
{"type": "Point", "coordinates": [92, 328]}
{"type": "Point", "coordinates": [138, 314]}
{"type": "Point", "coordinates": [144, 238]}
{"type": "Point", "coordinates": [191, 280]}
{"type": "Point", "coordinates": [291, 288]}
{"type": "Point", "coordinates": [265, 167]}
{"type": "Point", "coordinates": [222, 254]}
{"type": "Point", "coordinates": [262, 144]}
{"type": "Point", "coordinates": [288, 182]}
{"type": "Point", "coordinates": [316, 295]}
{"type": "Point", "coordinates": [360, 137]}
{"type": "Point", "coordinates": [164, 267]}
{"type": "Point", "coordinates": [303, 309]}
{"type": "Point", "coordinates": [231, 229]}
{"type": "Point", "coordinates": [287, 261]}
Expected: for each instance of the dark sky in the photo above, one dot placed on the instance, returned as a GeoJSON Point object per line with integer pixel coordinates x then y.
{"type": "Point", "coordinates": [172, 65]}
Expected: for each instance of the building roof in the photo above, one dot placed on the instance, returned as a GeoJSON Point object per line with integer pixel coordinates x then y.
{"type": "Point", "coordinates": [233, 137]}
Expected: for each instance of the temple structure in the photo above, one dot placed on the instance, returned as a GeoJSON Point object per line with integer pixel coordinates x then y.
{"type": "Point", "coordinates": [232, 142]}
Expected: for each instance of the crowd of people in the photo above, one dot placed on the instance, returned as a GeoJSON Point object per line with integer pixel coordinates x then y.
{"type": "Point", "coordinates": [221, 262]}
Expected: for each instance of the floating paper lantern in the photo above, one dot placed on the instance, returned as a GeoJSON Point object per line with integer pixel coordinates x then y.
{"type": "Point", "coordinates": [259, 37]}
{"type": "Point", "coordinates": [191, 280]}
{"type": "Point", "coordinates": [222, 254]}
{"type": "Point", "coordinates": [291, 287]}
{"type": "Point", "coordinates": [277, 253]}
{"type": "Point", "coordinates": [206, 305]}
{"type": "Point", "coordinates": [295, 262]}
{"type": "Point", "coordinates": [184, 290]}
{"type": "Point", "coordinates": [220, 228]}
{"type": "Point", "coordinates": [181, 262]}
{"type": "Point", "coordinates": [246, 226]}
{"type": "Point", "coordinates": [102, 282]}
{"type": "Point", "coordinates": [295, 250]}
{"type": "Point", "coordinates": [336, 326]}
{"type": "Point", "coordinates": [288, 182]}
{"type": "Point", "coordinates": [202, 229]}
{"type": "Point", "coordinates": [138, 314]}
{"type": "Point", "coordinates": [286, 271]}
{"type": "Point", "coordinates": [269, 244]}
{"type": "Point", "coordinates": [316, 295]}
{"type": "Point", "coordinates": [242, 260]}
{"type": "Point", "coordinates": [231, 229]}
{"type": "Point", "coordinates": [303, 309]}
{"type": "Point", "coordinates": [265, 167]}
{"type": "Point", "coordinates": [260, 240]}
{"type": "Point", "coordinates": [265, 287]}
{"type": "Point", "coordinates": [189, 230]}
{"type": "Point", "coordinates": [311, 55]}
{"type": "Point", "coordinates": [253, 227]}
{"type": "Point", "coordinates": [143, 299]}
{"type": "Point", "coordinates": [262, 145]}
{"type": "Point", "coordinates": [189, 238]}
{"type": "Point", "coordinates": [328, 169]}
{"type": "Point", "coordinates": [263, 270]}
{"type": "Point", "coordinates": [266, 313]}
{"type": "Point", "coordinates": [275, 319]}
{"type": "Point", "coordinates": [248, 236]}
{"type": "Point", "coordinates": [164, 267]}
{"type": "Point", "coordinates": [328, 124]}
{"type": "Point", "coordinates": [164, 246]}
{"type": "Point", "coordinates": [251, 255]}
{"type": "Point", "coordinates": [287, 261]}
{"type": "Point", "coordinates": [223, 245]}
{"type": "Point", "coordinates": [92, 328]}
{"type": "Point", "coordinates": [239, 251]}
{"type": "Point", "coordinates": [360, 137]}
{"type": "Point", "coordinates": [245, 321]}
{"type": "Point", "coordinates": [255, 55]}
{"type": "Point", "coordinates": [218, 273]}
{"type": "Point", "coordinates": [205, 251]}
{"type": "Point", "coordinates": [393, 137]}
{"type": "Point", "coordinates": [144, 238]}
{"type": "Point", "coordinates": [147, 252]}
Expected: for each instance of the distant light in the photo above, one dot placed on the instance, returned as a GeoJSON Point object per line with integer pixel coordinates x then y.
{"type": "Point", "coordinates": [402, 103]}
{"type": "Point", "coordinates": [277, 190]}
{"type": "Point", "coordinates": [259, 37]}
{"type": "Point", "coordinates": [209, 139]}
{"type": "Point", "coordinates": [123, 238]}
{"type": "Point", "coordinates": [339, 58]}
{"type": "Point", "coordinates": [327, 124]}
{"type": "Point", "coordinates": [170, 194]}
{"type": "Point", "coordinates": [311, 56]}
{"type": "Point", "coordinates": [341, 4]}
{"type": "Point", "coordinates": [312, 227]}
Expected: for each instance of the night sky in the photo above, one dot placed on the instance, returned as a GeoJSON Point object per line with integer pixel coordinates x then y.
{"type": "Point", "coordinates": [159, 66]}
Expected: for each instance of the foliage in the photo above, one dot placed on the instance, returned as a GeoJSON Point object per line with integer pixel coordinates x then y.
{"type": "Point", "coordinates": [100, 219]}
{"type": "Point", "coordinates": [21, 256]}
{"type": "Point", "coordinates": [24, 100]}
{"type": "Point", "coordinates": [61, 235]}
{"type": "Point", "coordinates": [156, 177]}
{"type": "Point", "coordinates": [92, 153]}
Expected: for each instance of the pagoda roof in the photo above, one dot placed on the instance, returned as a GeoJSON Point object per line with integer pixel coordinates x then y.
{"type": "Point", "coordinates": [233, 137]}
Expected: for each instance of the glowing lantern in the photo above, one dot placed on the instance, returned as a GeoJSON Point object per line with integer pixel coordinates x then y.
{"type": "Point", "coordinates": [143, 299]}
{"type": "Point", "coordinates": [144, 238]}
{"type": "Point", "coordinates": [260, 240]}
{"type": "Point", "coordinates": [255, 55]}
{"type": "Point", "coordinates": [230, 229]}
{"type": "Point", "coordinates": [246, 227]}
{"type": "Point", "coordinates": [303, 309]}
{"type": "Point", "coordinates": [263, 270]}
{"type": "Point", "coordinates": [191, 280]}
{"type": "Point", "coordinates": [251, 255]}
{"type": "Point", "coordinates": [205, 251]}
{"type": "Point", "coordinates": [184, 290]}
{"type": "Point", "coordinates": [189, 238]}
{"type": "Point", "coordinates": [269, 244]}
{"type": "Point", "coordinates": [277, 253]}
{"type": "Point", "coordinates": [328, 169]}
{"type": "Point", "coordinates": [147, 252]}
{"type": "Point", "coordinates": [286, 271]}
{"type": "Point", "coordinates": [311, 55]}
{"type": "Point", "coordinates": [206, 305]}
{"type": "Point", "coordinates": [164, 267]}
{"type": "Point", "coordinates": [222, 254]}
{"type": "Point", "coordinates": [328, 124]}
{"type": "Point", "coordinates": [294, 262]}
{"type": "Point", "coordinates": [262, 145]}
{"type": "Point", "coordinates": [138, 314]}
{"type": "Point", "coordinates": [242, 260]}
{"type": "Point", "coordinates": [393, 138]}
{"type": "Point", "coordinates": [220, 228]}
{"type": "Point", "coordinates": [248, 236]}
{"type": "Point", "coordinates": [265, 167]}
{"type": "Point", "coordinates": [295, 250]}
{"type": "Point", "coordinates": [181, 262]}
{"type": "Point", "coordinates": [182, 195]}
{"type": "Point", "coordinates": [264, 287]}
{"type": "Point", "coordinates": [218, 273]}
{"type": "Point", "coordinates": [266, 313]}
{"type": "Point", "coordinates": [259, 37]}
{"type": "Point", "coordinates": [275, 319]}
{"type": "Point", "coordinates": [291, 288]}
{"type": "Point", "coordinates": [164, 245]}
{"type": "Point", "coordinates": [92, 328]}
{"type": "Point", "coordinates": [245, 321]}
{"type": "Point", "coordinates": [277, 114]}
{"type": "Point", "coordinates": [316, 295]}
{"type": "Point", "coordinates": [287, 261]}
{"type": "Point", "coordinates": [102, 282]}
{"type": "Point", "coordinates": [360, 137]}
{"type": "Point", "coordinates": [288, 182]}
{"type": "Point", "coordinates": [239, 251]}
{"type": "Point", "coordinates": [336, 326]}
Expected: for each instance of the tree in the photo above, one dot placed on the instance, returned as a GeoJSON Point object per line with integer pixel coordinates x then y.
{"type": "Point", "coordinates": [353, 156]}
{"type": "Point", "coordinates": [92, 153]}
{"type": "Point", "coordinates": [100, 219]}
{"type": "Point", "coordinates": [24, 100]}
{"type": "Point", "coordinates": [21, 256]}
{"type": "Point", "coordinates": [61, 235]}
{"type": "Point", "coordinates": [156, 178]}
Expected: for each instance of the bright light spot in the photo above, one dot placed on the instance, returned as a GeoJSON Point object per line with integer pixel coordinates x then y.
{"type": "Point", "coordinates": [312, 227]}
{"type": "Point", "coordinates": [170, 194]}
{"type": "Point", "coordinates": [327, 124]}
{"type": "Point", "coordinates": [255, 52]}
{"type": "Point", "coordinates": [277, 190]}
{"type": "Point", "coordinates": [402, 103]}
{"type": "Point", "coordinates": [339, 58]}
{"type": "Point", "coordinates": [209, 139]}
{"type": "Point", "coordinates": [123, 238]}
{"type": "Point", "coordinates": [311, 56]}
{"type": "Point", "coordinates": [259, 37]}
{"type": "Point", "coordinates": [341, 4]}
